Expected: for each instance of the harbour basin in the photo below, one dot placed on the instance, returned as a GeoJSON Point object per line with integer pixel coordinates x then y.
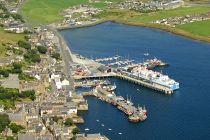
{"type": "Point", "coordinates": [183, 115]}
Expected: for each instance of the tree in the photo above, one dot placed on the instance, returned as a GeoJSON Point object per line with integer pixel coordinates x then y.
{"type": "Point", "coordinates": [4, 121]}
{"type": "Point", "coordinates": [17, 65]}
{"type": "Point", "coordinates": [3, 8]}
{"type": "Point", "coordinates": [68, 122]}
{"type": "Point", "coordinates": [15, 128]}
{"type": "Point", "coordinates": [27, 37]}
{"type": "Point", "coordinates": [4, 73]}
{"type": "Point", "coordinates": [28, 94]}
{"type": "Point", "coordinates": [32, 56]}
{"type": "Point", "coordinates": [25, 77]}
{"type": "Point", "coordinates": [24, 44]}
{"type": "Point", "coordinates": [17, 17]}
{"type": "Point", "coordinates": [42, 49]}
{"type": "Point", "coordinates": [8, 93]}
{"type": "Point", "coordinates": [76, 130]}
{"type": "Point", "coordinates": [9, 138]}
{"type": "Point", "coordinates": [56, 56]}
{"type": "Point", "coordinates": [17, 68]}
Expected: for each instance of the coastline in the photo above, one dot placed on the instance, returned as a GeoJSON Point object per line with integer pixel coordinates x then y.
{"type": "Point", "coordinates": [148, 25]}
{"type": "Point", "coordinates": [82, 26]}
{"type": "Point", "coordinates": [168, 29]}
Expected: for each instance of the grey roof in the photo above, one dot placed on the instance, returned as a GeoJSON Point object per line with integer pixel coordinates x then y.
{"type": "Point", "coordinates": [103, 68]}
{"type": "Point", "coordinates": [16, 116]}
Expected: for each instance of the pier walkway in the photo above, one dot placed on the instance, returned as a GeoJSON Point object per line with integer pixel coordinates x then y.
{"type": "Point", "coordinates": [153, 86]}
{"type": "Point", "coordinates": [100, 75]}
{"type": "Point", "coordinates": [135, 114]}
{"type": "Point", "coordinates": [141, 82]}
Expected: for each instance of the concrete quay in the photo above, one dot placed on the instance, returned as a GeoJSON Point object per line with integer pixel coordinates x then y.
{"type": "Point", "coordinates": [147, 84]}
{"type": "Point", "coordinates": [100, 75]}
{"type": "Point", "coordinates": [135, 114]}
{"type": "Point", "coordinates": [141, 82]}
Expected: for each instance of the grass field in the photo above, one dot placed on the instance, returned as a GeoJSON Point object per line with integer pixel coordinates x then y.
{"type": "Point", "coordinates": [47, 11]}
{"type": "Point", "coordinates": [198, 1]}
{"type": "Point", "coordinates": [8, 38]}
{"type": "Point", "coordinates": [198, 28]}
{"type": "Point", "coordinates": [148, 17]}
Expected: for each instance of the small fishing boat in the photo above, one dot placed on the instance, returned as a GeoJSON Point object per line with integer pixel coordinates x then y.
{"type": "Point", "coordinates": [87, 129]}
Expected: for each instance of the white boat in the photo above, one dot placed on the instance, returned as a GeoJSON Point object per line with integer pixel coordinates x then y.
{"type": "Point", "coordinates": [87, 129]}
{"type": "Point", "coordinates": [120, 133]}
{"type": "Point", "coordinates": [146, 54]}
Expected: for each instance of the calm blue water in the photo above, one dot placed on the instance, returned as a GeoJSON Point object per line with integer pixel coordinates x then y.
{"type": "Point", "coordinates": [184, 115]}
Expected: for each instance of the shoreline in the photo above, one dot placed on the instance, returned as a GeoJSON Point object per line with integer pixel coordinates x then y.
{"type": "Point", "coordinates": [82, 26]}
{"type": "Point", "coordinates": [175, 31]}
{"type": "Point", "coordinates": [171, 30]}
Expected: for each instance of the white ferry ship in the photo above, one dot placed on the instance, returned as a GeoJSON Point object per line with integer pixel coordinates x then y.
{"type": "Point", "coordinates": [155, 77]}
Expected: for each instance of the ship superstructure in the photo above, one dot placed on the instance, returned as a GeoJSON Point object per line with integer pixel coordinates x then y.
{"type": "Point", "coordinates": [154, 77]}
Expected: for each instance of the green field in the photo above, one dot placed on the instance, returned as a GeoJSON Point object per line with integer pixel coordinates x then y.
{"type": "Point", "coordinates": [48, 11]}
{"type": "Point", "coordinates": [198, 1]}
{"type": "Point", "coordinates": [148, 17]}
{"type": "Point", "coordinates": [8, 38]}
{"type": "Point", "coordinates": [199, 28]}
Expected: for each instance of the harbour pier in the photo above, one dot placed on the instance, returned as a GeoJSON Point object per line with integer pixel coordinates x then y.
{"type": "Point", "coordinates": [141, 82]}
{"type": "Point", "coordinates": [146, 84]}
{"type": "Point", "coordinates": [135, 114]}
{"type": "Point", "coordinates": [84, 84]}
{"type": "Point", "coordinates": [96, 76]}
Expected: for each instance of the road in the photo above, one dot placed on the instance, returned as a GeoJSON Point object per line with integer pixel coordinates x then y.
{"type": "Point", "coordinates": [66, 57]}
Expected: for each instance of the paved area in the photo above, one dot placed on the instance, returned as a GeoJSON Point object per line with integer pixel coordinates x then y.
{"type": "Point", "coordinates": [11, 82]}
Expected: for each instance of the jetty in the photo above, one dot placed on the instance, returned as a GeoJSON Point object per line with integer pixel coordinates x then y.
{"type": "Point", "coordinates": [135, 114]}
{"type": "Point", "coordinates": [145, 83]}
{"type": "Point", "coordinates": [96, 76]}
{"type": "Point", "coordinates": [136, 80]}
